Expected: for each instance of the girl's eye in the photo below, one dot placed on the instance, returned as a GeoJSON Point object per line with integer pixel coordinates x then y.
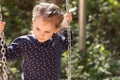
{"type": "Point", "coordinates": [37, 28]}
{"type": "Point", "coordinates": [47, 32]}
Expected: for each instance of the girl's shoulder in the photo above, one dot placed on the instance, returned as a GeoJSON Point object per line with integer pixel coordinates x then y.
{"type": "Point", "coordinates": [24, 38]}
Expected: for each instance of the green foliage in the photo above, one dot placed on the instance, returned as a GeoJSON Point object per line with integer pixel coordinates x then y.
{"type": "Point", "coordinates": [95, 62]}
{"type": "Point", "coordinates": [100, 61]}
{"type": "Point", "coordinates": [18, 17]}
{"type": "Point", "coordinates": [103, 21]}
{"type": "Point", "coordinates": [92, 64]}
{"type": "Point", "coordinates": [103, 30]}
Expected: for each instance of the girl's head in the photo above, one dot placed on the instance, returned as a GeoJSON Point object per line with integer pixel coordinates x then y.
{"type": "Point", "coordinates": [47, 18]}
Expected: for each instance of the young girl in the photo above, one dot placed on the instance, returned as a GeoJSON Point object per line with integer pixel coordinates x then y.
{"type": "Point", "coordinates": [41, 50]}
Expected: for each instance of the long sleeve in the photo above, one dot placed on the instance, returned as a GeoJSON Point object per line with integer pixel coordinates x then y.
{"type": "Point", "coordinates": [64, 39]}
{"type": "Point", "coordinates": [13, 51]}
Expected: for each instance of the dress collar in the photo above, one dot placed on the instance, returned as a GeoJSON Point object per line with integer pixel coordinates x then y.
{"type": "Point", "coordinates": [44, 43]}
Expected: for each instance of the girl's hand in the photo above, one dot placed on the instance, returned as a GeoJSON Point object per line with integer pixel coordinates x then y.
{"type": "Point", "coordinates": [67, 19]}
{"type": "Point", "coordinates": [2, 25]}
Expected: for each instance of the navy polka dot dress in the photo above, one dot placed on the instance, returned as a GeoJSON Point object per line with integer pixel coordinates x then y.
{"type": "Point", "coordinates": [40, 61]}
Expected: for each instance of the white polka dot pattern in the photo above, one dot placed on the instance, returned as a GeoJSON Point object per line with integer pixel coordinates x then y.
{"type": "Point", "coordinates": [41, 61]}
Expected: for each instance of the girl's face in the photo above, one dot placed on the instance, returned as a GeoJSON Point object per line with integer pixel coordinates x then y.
{"type": "Point", "coordinates": [43, 30]}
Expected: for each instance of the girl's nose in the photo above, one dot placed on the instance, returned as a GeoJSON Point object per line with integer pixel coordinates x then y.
{"type": "Point", "coordinates": [41, 34]}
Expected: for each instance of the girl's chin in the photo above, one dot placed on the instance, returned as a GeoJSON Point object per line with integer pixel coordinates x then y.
{"type": "Point", "coordinates": [42, 41]}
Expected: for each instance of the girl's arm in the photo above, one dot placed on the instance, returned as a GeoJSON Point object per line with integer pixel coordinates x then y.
{"type": "Point", "coordinates": [14, 50]}
{"type": "Point", "coordinates": [65, 24]}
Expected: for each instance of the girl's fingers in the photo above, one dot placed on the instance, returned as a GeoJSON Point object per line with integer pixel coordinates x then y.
{"type": "Point", "coordinates": [2, 25]}
{"type": "Point", "coordinates": [68, 16]}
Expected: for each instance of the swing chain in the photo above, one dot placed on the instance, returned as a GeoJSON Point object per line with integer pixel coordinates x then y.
{"type": "Point", "coordinates": [0, 14]}
{"type": "Point", "coordinates": [69, 53]}
{"type": "Point", "coordinates": [69, 43]}
{"type": "Point", "coordinates": [3, 52]}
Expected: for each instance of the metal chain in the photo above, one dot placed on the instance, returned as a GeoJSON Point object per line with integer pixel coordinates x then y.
{"type": "Point", "coordinates": [69, 53]}
{"type": "Point", "coordinates": [0, 14]}
{"type": "Point", "coordinates": [3, 52]}
{"type": "Point", "coordinates": [69, 43]}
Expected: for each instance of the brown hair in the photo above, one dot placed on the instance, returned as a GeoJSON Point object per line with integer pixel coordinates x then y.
{"type": "Point", "coordinates": [48, 12]}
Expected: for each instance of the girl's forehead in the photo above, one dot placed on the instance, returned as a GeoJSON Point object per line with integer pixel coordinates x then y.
{"type": "Point", "coordinates": [44, 21]}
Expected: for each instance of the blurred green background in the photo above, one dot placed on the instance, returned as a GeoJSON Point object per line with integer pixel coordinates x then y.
{"type": "Point", "coordinates": [101, 58]}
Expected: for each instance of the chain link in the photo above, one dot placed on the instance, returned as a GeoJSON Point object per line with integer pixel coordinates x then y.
{"type": "Point", "coordinates": [69, 53]}
{"type": "Point", "coordinates": [3, 52]}
{"type": "Point", "coordinates": [69, 43]}
{"type": "Point", "coordinates": [0, 14]}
